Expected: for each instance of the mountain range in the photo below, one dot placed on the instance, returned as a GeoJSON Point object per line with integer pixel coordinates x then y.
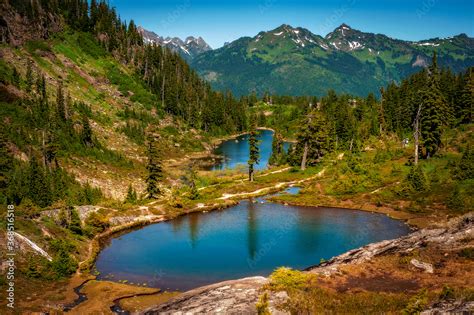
{"type": "Point", "coordinates": [294, 61]}
{"type": "Point", "coordinates": [188, 48]}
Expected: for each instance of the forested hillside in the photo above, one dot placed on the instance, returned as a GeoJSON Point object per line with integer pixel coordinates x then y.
{"type": "Point", "coordinates": [79, 87]}
{"type": "Point", "coordinates": [82, 77]}
{"type": "Point", "coordinates": [293, 61]}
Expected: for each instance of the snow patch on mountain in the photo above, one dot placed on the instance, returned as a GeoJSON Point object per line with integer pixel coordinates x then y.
{"type": "Point", "coordinates": [355, 45]}
{"type": "Point", "coordinates": [189, 48]}
{"type": "Point", "coordinates": [428, 44]}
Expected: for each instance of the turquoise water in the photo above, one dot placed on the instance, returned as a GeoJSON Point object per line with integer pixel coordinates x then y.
{"type": "Point", "coordinates": [251, 238]}
{"type": "Point", "coordinates": [236, 151]}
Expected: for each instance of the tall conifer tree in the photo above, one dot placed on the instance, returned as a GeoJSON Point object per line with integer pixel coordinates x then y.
{"type": "Point", "coordinates": [254, 151]}
{"type": "Point", "coordinates": [155, 170]}
{"type": "Point", "coordinates": [435, 113]}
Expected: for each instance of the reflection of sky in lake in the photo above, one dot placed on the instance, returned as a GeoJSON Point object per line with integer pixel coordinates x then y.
{"type": "Point", "coordinates": [251, 238]}
{"type": "Point", "coordinates": [236, 151]}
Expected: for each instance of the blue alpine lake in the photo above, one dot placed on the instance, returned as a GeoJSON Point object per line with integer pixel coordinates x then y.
{"type": "Point", "coordinates": [235, 152]}
{"type": "Point", "coordinates": [251, 238]}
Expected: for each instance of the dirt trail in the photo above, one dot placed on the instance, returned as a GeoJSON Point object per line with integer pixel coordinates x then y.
{"type": "Point", "coordinates": [276, 186]}
{"type": "Point", "coordinates": [241, 180]}
{"type": "Point", "coordinates": [383, 187]}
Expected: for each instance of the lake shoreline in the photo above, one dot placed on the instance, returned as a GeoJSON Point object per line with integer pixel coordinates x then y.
{"type": "Point", "coordinates": [101, 240]}
{"type": "Point", "coordinates": [98, 243]}
{"type": "Point", "coordinates": [366, 207]}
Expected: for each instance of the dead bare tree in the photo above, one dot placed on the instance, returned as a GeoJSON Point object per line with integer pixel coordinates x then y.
{"type": "Point", "coordinates": [416, 133]}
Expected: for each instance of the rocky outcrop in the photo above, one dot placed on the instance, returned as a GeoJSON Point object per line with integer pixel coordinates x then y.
{"type": "Point", "coordinates": [450, 307]}
{"type": "Point", "coordinates": [450, 236]}
{"type": "Point", "coordinates": [32, 245]}
{"type": "Point", "coordinates": [240, 296]}
{"type": "Point", "coordinates": [228, 297]}
{"type": "Point", "coordinates": [426, 267]}
{"type": "Point", "coordinates": [16, 28]}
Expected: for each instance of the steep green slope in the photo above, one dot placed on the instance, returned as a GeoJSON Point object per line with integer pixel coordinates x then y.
{"type": "Point", "coordinates": [110, 82]}
{"type": "Point", "coordinates": [294, 61]}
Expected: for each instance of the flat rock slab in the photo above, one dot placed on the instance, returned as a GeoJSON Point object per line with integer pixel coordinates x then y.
{"type": "Point", "coordinates": [228, 297]}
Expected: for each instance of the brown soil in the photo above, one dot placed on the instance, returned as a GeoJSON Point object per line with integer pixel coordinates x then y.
{"type": "Point", "coordinates": [384, 282]}
{"type": "Point", "coordinates": [395, 274]}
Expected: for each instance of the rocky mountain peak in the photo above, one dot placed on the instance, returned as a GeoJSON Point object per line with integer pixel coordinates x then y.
{"type": "Point", "coordinates": [188, 49]}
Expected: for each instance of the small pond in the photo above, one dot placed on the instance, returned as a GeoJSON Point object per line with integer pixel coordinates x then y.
{"type": "Point", "coordinates": [235, 152]}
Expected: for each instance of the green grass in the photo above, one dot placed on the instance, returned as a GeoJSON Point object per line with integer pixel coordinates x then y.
{"type": "Point", "coordinates": [128, 85]}
{"type": "Point", "coordinates": [380, 177]}
{"type": "Point", "coordinates": [306, 296]}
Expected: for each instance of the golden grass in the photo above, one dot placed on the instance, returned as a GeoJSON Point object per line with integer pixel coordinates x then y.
{"type": "Point", "coordinates": [101, 296]}
{"type": "Point", "coordinates": [143, 302]}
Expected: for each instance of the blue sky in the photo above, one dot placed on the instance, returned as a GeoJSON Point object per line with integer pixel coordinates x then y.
{"type": "Point", "coordinates": [223, 21]}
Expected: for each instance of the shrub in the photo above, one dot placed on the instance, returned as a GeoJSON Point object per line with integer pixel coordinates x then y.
{"type": "Point", "coordinates": [75, 222]}
{"type": "Point", "coordinates": [465, 167]}
{"type": "Point", "coordinates": [63, 263]}
{"type": "Point", "coordinates": [417, 180]}
{"type": "Point", "coordinates": [456, 200]}
{"type": "Point", "coordinates": [32, 268]}
{"type": "Point", "coordinates": [417, 303]}
{"type": "Point", "coordinates": [381, 156]}
{"type": "Point", "coordinates": [467, 252]}
{"type": "Point", "coordinates": [29, 209]}
{"type": "Point", "coordinates": [286, 279]}
{"type": "Point", "coordinates": [97, 221]}
{"type": "Point", "coordinates": [89, 195]}
{"type": "Point", "coordinates": [447, 293]}
{"type": "Point", "coordinates": [131, 195]}
{"type": "Point", "coordinates": [262, 305]}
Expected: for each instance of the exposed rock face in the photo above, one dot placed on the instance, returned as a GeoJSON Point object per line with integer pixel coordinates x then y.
{"type": "Point", "coordinates": [426, 267]}
{"type": "Point", "coordinates": [228, 297]}
{"type": "Point", "coordinates": [83, 211]}
{"type": "Point", "coordinates": [240, 296]}
{"type": "Point", "coordinates": [16, 29]}
{"type": "Point", "coordinates": [453, 307]}
{"type": "Point", "coordinates": [188, 49]}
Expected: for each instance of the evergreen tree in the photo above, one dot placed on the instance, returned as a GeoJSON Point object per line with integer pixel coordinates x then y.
{"type": "Point", "coordinates": [155, 171]}
{"type": "Point", "coordinates": [43, 88]}
{"type": "Point", "coordinates": [192, 178]}
{"type": "Point", "coordinates": [467, 97]}
{"type": "Point", "coordinates": [60, 104]}
{"type": "Point", "coordinates": [313, 140]}
{"type": "Point", "coordinates": [254, 151]}
{"type": "Point", "coordinates": [131, 195]}
{"type": "Point", "coordinates": [434, 115]}
{"type": "Point", "coordinates": [39, 189]}
{"type": "Point", "coordinates": [15, 77]}
{"type": "Point", "coordinates": [417, 180]}
{"type": "Point", "coordinates": [29, 77]}
{"type": "Point", "coordinates": [63, 218]}
{"type": "Point", "coordinates": [86, 135]}
{"type": "Point", "coordinates": [465, 168]}
{"type": "Point", "coordinates": [278, 152]}
{"type": "Point", "coordinates": [50, 150]}
{"type": "Point", "coordinates": [75, 222]}
{"type": "Point", "coordinates": [38, 85]}
{"type": "Point", "coordinates": [63, 263]}
{"type": "Point", "coordinates": [6, 165]}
